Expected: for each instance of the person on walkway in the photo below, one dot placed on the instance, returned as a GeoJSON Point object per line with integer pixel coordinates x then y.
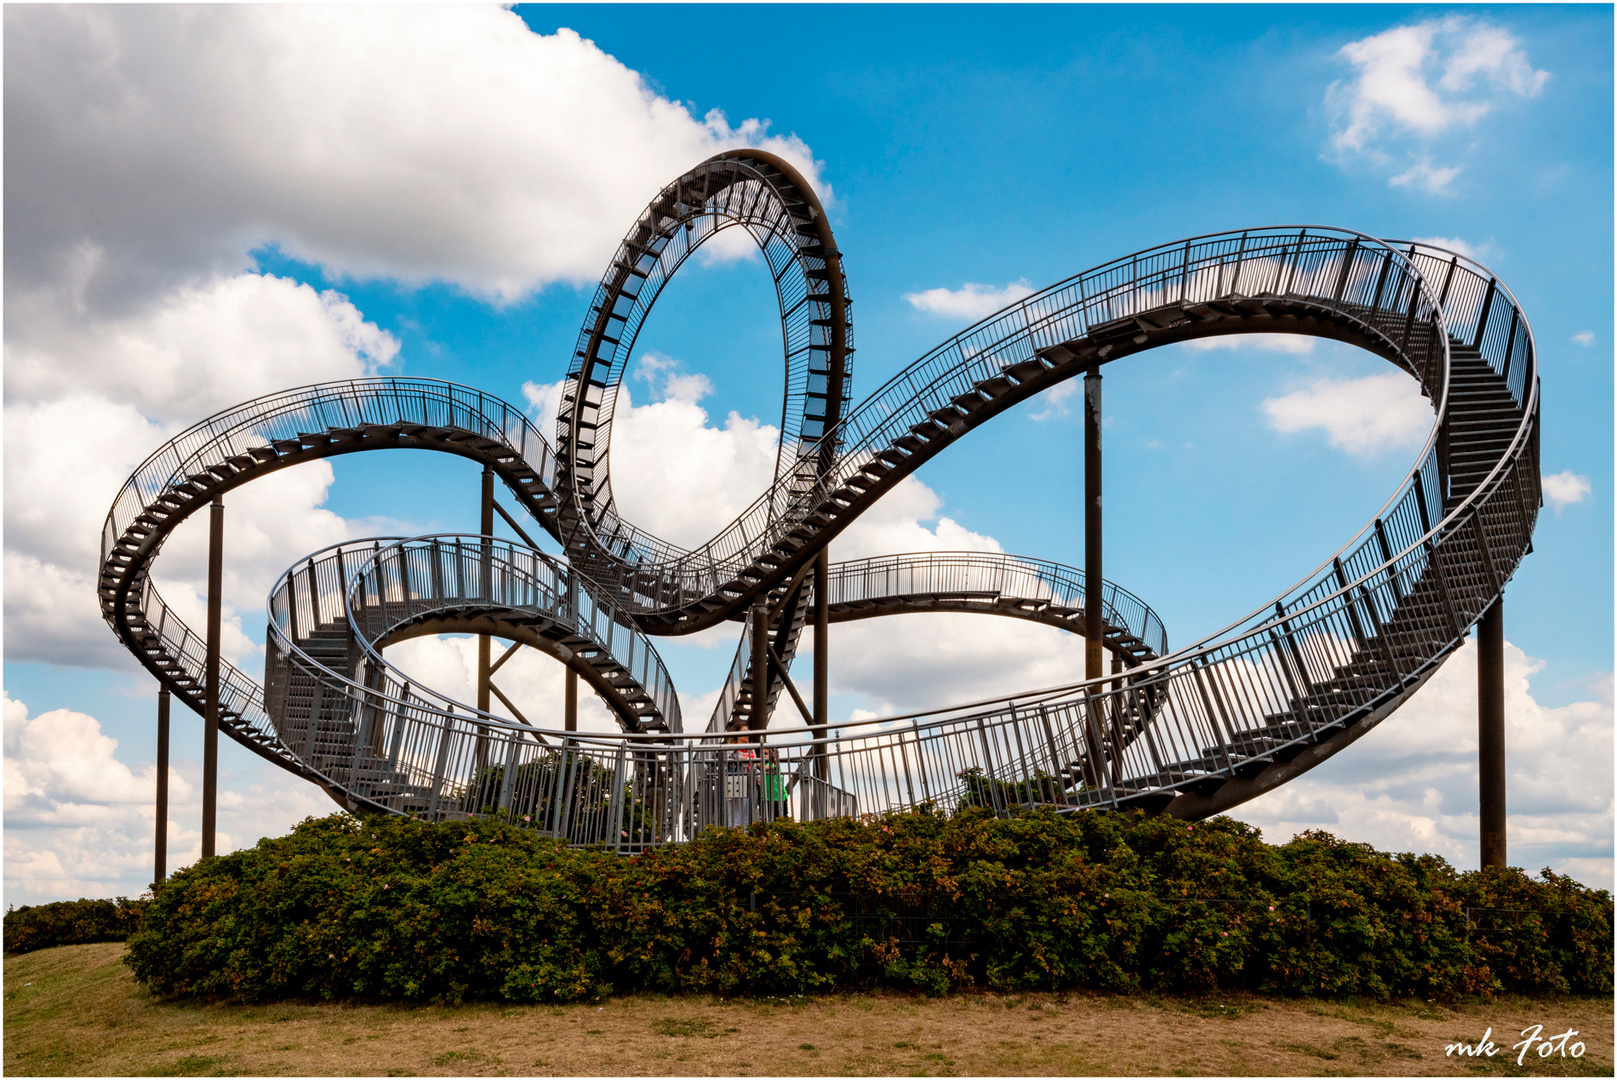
{"type": "Point", "coordinates": [774, 785]}
{"type": "Point", "coordinates": [740, 779]}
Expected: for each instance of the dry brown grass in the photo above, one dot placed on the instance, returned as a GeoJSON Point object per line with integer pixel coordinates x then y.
{"type": "Point", "coordinates": [77, 1011]}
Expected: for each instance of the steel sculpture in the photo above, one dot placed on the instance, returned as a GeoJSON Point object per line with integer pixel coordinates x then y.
{"type": "Point", "coordinates": [1190, 732]}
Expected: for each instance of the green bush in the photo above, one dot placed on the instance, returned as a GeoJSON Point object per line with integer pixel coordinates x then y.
{"type": "Point", "coordinates": [992, 793]}
{"type": "Point", "coordinates": [392, 908]}
{"type": "Point", "coordinates": [71, 922]}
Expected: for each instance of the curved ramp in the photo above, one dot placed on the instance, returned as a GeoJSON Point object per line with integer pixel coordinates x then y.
{"type": "Point", "coordinates": [332, 615]}
{"type": "Point", "coordinates": [1191, 732]}
{"type": "Point", "coordinates": [973, 582]}
{"type": "Point", "coordinates": [989, 583]}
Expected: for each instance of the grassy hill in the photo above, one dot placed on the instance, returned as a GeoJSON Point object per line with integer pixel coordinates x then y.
{"type": "Point", "coordinates": [77, 1010]}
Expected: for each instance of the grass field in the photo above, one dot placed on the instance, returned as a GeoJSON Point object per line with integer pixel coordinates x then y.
{"type": "Point", "coordinates": [77, 1011]}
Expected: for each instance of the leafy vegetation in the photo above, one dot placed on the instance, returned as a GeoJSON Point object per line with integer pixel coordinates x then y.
{"type": "Point", "coordinates": [991, 793]}
{"type": "Point", "coordinates": [71, 922]}
{"type": "Point", "coordinates": [396, 909]}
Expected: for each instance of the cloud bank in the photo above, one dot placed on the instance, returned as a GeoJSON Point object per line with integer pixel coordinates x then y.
{"type": "Point", "coordinates": [79, 820]}
{"type": "Point", "coordinates": [1565, 488]}
{"type": "Point", "coordinates": [1413, 85]}
{"type": "Point", "coordinates": [413, 142]}
{"type": "Point", "coordinates": [971, 301]}
{"type": "Point", "coordinates": [1364, 416]}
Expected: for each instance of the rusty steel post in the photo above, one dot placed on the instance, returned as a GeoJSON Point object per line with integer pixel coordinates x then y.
{"type": "Point", "coordinates": [1491, 733]}
{"type": "Point", "coordinates": [822, 657]}
{"type": "Point", "coordinates": [486, 529]}
{"type": "Point", "coordinates": [160, 839]}
{"type": "Point", "coordinates": [570, 702]}
{"type": "Point", "coordinates": [760, 668]}
{"type": "Point", "coordinates": [210, 678]}
{"type": "Point", "coordinates": [1094, 629]}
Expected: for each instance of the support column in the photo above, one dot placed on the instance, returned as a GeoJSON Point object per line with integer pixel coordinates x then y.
{"type": "Point", "coordinates": [819, 806]}
{"type": "Point", "coordinates": [210, 678]}
{"type": "Point", "coordinates": [1094, 628]}
{"type": "Point", "coordinates": [160, 840]}
{"type": "Point", "coordinates": [760, 667]}
{"type": "Point", "coordinates": [486, 529]}
{"type": "Point", "coordinates": [1491, 732]}
{"type": "Point", "coordinates": [570, 702]}
{"type": "Point", "coordinates": [822, 655]}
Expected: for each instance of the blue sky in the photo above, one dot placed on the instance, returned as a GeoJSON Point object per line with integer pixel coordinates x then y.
{"type": "Point", "coordinates": [449, 222]}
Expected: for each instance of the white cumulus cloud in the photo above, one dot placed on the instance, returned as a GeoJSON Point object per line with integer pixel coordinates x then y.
{"type": "Point", "coordinates": [904, 663]}
{"type": "Point", "coordinates": [1292, 344]}
{"type": "Point", "coordinates": [1454, 244]}
{"type": "Point", "coordinates": [199, 348]}
{"type": "Point", "coordinates": [674, 473]}
{"type": "Point", "coordinates": [153, 150]}
{"type": "Point", "coordinates": [899, 523]}
{"type": "Point", "coordinates": [123, 385]}
{"type": "Point", "coordinates": [536, 683]}
{"type": "Point", "coordinates": [416, 142]}
{"type": "Point", "coordinates": [1584, 337]}
{"type": "Point", "coordinates": [681, 477]}
{"type": "Point", "coordinates": [971, 301]}
{"type": "Point", "coordinates": [1564, 488]}
{"type": "Point", "coordinates": [1056, 402]}
{"type": "Point", "coordinates": [1412, 85]}
{"type": "Point", "coordinates": [1426, 176]}
{"type": "Point", "coordinates": [79, 819]}
{"type": "Point", "coordinates": [1362, 416]}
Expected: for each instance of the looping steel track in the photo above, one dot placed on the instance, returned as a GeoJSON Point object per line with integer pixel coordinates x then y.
{"type": "Point", "coordinates": [1190, 732]}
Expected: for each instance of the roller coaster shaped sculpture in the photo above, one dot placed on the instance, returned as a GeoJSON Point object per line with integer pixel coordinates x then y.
{"type": "Point", "coordinates": [1189, 733]}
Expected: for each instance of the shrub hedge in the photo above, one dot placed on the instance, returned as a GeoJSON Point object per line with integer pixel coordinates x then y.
{"type": "Point", "coordinates": [392, 908]}
{"type": "Point", "coordinates": [71, 922]}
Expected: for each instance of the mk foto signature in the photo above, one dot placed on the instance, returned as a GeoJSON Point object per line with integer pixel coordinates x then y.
{"type": "Point", "coordinates": [1531, 1038]}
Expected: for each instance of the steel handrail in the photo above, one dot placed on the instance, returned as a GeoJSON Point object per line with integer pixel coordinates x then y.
{"type": "Point", "coordinates": [1331, 656]}
{"type": "Point", "coordinates": [755, 520]}
{"type": "Point", "coordinates": [1140, 624]}
{"type": "Point", "coordinates": [363, 559]}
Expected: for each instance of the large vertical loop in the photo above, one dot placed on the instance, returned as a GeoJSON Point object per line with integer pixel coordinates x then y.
{"type": "Point", "coordinates": [770, 199]}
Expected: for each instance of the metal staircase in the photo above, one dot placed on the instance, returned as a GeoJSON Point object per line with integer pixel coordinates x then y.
{"type": "Point", "coordinates": [1189, 732]}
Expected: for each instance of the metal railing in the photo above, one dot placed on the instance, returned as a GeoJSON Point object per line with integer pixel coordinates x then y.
{"type": "Point", "coordinates": [1334, 653]}
{"type": "Point", "coordinates": [178, 468]}
{"type": "Point", "coordinates": [744, 190]}
{"type": "Point", "coordinates": [986, 580]}
{"type": "Point", "coordinates": [1354, 276]}
{"type": "Point", "coordinates": [367, 590]}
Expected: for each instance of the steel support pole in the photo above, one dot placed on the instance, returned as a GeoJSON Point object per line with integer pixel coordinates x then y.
{"type": "Point", "coordinates": [570, 702]}
{"type": "Point", "coordinates": [822, 658]}
{"type": "Point", "coordinates": [1491, 732]}
{"type": "Point", "coordinates": [760, 667]}
{"type": "Point", "coordinates": [160, 839]}
{"type": "Point", "coordinates": [1094, 628]}
{"type": "Point", "coordinates": [210, 678]}
{"type": "Point", "coordinates": [486, 529]}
